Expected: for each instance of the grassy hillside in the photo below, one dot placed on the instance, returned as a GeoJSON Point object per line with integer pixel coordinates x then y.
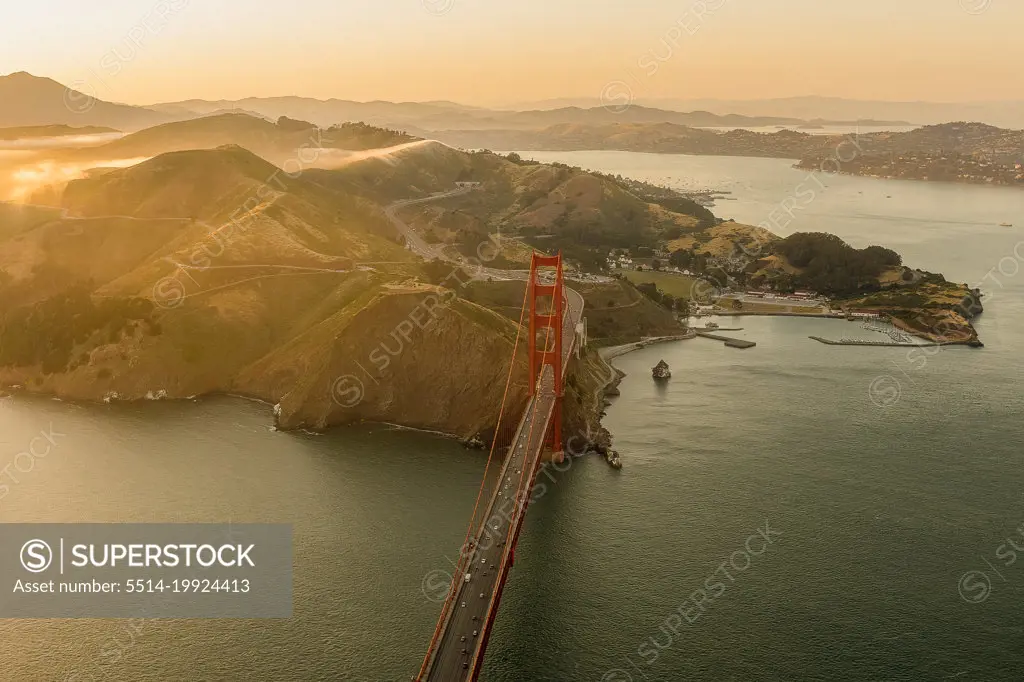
{"type": "Point", "coordinates": [616, 312]}
{"type": "Point", "coordinates": [277, 290]}
{"type": "Point", "coordinates": [201, 184]}
{"type": "Point", "coordinates": [549, 206]}
{"type": "Point", "coordinates": [407, 173]}
{"type": "Point", "coordinates": [237, 208]}
{"type": "Point", "coordinates": [680, 286]}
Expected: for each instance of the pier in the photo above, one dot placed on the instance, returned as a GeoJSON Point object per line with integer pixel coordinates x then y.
{"type": "Point", "coordinates": [729, 341]}
{"type": "Point", "coordinates": [879, 344]}
{"type": "Point", "coordinates": [612, 352]}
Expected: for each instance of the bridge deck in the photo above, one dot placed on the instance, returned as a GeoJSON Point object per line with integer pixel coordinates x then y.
{"type": "Point", "coordinates": [464, 632]}
{"type": "Point", "coordinates": [459, 651]}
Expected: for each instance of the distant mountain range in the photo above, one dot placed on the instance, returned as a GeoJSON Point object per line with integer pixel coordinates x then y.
{"type": "Point", "coordinates": [275, 126]}
{"type": "Point", "coordinates": [420, 118]}
{"type": "Point", "coordinates": [998, 144]}
{"type": "Point", "coordinates": [27, 100]}
{"type": "Point", "coordinates": [1006, 114]}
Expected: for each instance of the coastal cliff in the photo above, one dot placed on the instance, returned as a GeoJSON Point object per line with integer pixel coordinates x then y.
{"type": "Point", "coordinates": [412, 354]}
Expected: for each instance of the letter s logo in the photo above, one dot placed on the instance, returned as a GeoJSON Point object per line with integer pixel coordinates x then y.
{"type": "Point", "coordinates": [36, 556]}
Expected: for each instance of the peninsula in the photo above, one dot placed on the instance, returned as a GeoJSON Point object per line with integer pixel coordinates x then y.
{"type": "Point", "coordinates": [212, 270]}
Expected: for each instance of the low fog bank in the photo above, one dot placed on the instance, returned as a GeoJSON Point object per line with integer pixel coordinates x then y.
{"type": "Point", "coordinates": [60, 141]}
{"type": "Point", "coordinates": [29, 176]}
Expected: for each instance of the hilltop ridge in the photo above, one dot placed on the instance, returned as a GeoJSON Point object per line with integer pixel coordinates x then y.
{"type": "Point", "coordinates": [278, 141]}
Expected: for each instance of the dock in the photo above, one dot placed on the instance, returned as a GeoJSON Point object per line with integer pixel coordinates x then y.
{"type": "Point", "coordinates": [878, 344]}
{"type": "Point", "coordinates": [613, 352]}
{"type": "Point", "coordinates": [729, 341]}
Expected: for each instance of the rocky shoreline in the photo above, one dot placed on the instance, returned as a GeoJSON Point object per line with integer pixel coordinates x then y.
{"type": "Point", "coordinates": [610, 387]}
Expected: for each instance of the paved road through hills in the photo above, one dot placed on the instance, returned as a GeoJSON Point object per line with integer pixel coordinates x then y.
{"type": "Point", "coordinates": [420, 247]}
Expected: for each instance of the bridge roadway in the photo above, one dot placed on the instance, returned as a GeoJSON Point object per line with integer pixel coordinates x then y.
{"type": "Point", "coordinates": [459, 651]}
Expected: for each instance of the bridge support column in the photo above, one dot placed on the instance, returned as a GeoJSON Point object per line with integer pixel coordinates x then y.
{"type": "Point", "coordinates": [547, 318]}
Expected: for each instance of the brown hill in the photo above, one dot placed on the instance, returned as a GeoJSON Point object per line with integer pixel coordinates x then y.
{"type": "Point", "coordinates": [211, 270]}
{"type": "Point", "coordinates": [32, 101]}
{"type": "Point", "coordinates": [127, 296]}
{"type": "Point", "coordinates": [551, 206]}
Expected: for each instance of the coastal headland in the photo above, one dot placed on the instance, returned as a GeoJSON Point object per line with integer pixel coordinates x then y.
{"type": "Point", "coordinates": [381, 285]}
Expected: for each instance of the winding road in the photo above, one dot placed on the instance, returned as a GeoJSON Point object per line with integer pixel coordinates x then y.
{"type": "Point", "coordinates": [419, 246]}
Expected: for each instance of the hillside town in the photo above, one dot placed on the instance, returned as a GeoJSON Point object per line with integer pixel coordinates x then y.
{"type": "Point", "coordinates": [945, 167]}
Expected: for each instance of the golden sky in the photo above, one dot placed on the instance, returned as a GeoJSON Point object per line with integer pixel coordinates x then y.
{"type": "Point", "coordinates": [493, 52]}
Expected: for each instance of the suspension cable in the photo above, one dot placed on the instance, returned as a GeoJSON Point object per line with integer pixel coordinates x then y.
{"type": "Point", "coordinates": [463, 553]}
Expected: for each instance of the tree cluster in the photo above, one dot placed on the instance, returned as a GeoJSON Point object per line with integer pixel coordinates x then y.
{"type": "Point", "coordinates": [48, 333]}
{"type": "Point", "coordinates": [831, 266]}
{"type": "Point", "coordinates": [677, 304]}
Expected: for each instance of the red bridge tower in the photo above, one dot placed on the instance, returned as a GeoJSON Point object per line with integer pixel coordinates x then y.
{"type": "Point", "coordinates": [547, 316]}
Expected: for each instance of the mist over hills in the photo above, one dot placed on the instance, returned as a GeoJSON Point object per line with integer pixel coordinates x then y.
{"type": "Point", "coordinates": [57, 130]}
{"type": "Point", "coordinates": [275, 141]}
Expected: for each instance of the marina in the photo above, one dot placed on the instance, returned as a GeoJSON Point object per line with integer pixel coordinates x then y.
{"type": "Point", "coordinates": [897, 335]}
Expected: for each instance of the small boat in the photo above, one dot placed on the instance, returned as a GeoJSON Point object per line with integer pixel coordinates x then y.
{"type": "Point", "coordinates": [661, 371]}
{"type": "Point", "coordinates": [1005, 224]}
